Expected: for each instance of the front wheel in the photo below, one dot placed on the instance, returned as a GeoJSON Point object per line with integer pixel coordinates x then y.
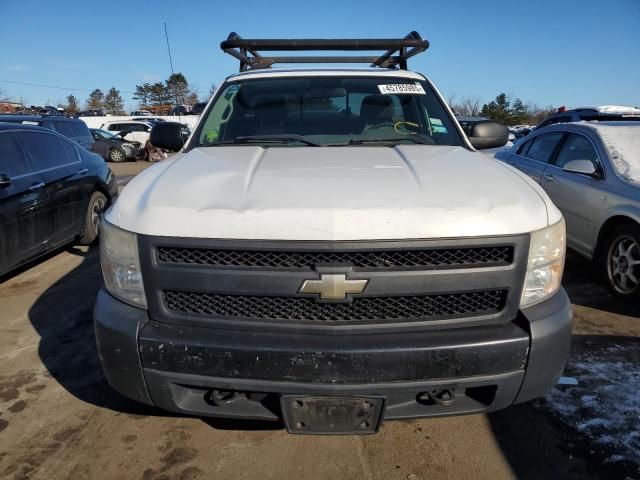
{"type": "Point", "coordinates": [620, 262]}
{"type": "Point", "coordinates": [117, 155]}
{"type": "Point", "coordinates": [93, 217]}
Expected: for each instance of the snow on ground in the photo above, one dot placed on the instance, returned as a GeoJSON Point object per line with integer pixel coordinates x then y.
{"type": "Point", "coordinates": [623, 143]}
{"type": "Point", "coordinates": [605, 405]}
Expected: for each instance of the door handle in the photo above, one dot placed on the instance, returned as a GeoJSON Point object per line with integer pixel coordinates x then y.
{"type": "Point", "coordinates": [36, 186]}
{"type": "Point", "coordinates": [82, 171]}
{"type": "Point", "coordinates": [548, 177]}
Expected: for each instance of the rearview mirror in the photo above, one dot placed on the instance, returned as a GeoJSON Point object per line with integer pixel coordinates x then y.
{"type": "Point", "coordinates": [168, 136]}
{"type": "Point", "coordinates": [5, 180]}
{"type": "Point", "coordinates": [585, 167]}
{"type": "Point", "coordinates": [488, 134]}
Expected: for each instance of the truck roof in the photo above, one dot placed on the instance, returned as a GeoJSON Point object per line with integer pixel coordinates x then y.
{"type": "Point", "coordinates": [321, 72]}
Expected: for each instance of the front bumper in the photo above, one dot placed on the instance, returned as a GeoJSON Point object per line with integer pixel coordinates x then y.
{"type": "Point", "coordinates": [227, 373]}
{"type": "Point", "coordinates": [133, 150]}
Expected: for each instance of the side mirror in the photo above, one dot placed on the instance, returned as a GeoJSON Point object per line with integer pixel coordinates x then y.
{"type": "Point", "coordinates": [5, 180]}
{"type": "Point", "coordinates": [585, 167]}
{"type": "Point", "coordinates": [488, 134]}
{"type": "Point", "coordinates": [168, 136]}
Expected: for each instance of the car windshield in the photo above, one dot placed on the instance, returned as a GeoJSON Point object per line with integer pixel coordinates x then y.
{"type": "Point", "coordinates": [328, 111]}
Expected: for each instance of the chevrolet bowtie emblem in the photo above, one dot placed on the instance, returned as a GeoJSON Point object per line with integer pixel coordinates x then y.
{"type": "Point", "coordinates": [333, 286]}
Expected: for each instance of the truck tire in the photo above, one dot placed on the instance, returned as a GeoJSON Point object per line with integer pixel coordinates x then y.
{"type": "Point", "coordinates": [620, 262]}
{"type": "Point", "coordinates": [93, 217]}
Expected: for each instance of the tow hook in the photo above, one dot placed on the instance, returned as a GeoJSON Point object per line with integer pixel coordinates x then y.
{"type": "Point", "coordinates": [442, 397]}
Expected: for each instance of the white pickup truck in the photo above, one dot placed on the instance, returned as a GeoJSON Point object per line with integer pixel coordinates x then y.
{"type": "Point", "coordinates": [328, 249]}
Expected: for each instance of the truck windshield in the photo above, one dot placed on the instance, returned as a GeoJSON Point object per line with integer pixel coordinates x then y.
{"type": "Point", "coordinates": [327, 111]}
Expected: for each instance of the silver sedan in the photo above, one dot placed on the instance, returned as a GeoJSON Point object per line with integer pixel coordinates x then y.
{"type": "Point", "coordinates": [591, 171]}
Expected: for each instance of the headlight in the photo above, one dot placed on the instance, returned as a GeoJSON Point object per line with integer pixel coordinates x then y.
{"type": "Point", "coordinates": [130, 145]}
{"type": "Point", "coordinates": [546, 263]}
{"type": "Point", "coordinates": [121, 264]}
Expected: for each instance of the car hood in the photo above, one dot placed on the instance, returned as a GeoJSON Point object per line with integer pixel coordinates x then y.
{"type": "Point", "coordinates": [330, 193]}
{"type": "Point", "coordinates": [121, 140]}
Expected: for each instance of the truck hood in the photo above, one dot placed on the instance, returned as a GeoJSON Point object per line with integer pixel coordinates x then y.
{"type": "Point", "coordinates": [330, 193]}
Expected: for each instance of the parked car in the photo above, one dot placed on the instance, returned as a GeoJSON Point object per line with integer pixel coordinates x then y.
{"type": "Point", "coordinates": [72, 128]}
{"type": "Point", "coordinates": [522, 132]}
{"type": "Point", "coordinates": [141, 113]}
{"type": "Point", "coordinates": [115, 148]}
{"type": "Point", "coordinates": [52, 192]}
{"type": "Point", "coordinates": [91, 113]}
{"type": "Point", "coordinates": [137, 131]}
{"type": "Point", "coordinates": [51, 110]}
{"type": "Point", "coordinates": [587, 114]}
{"type": "Point", "coordinates": [181, 110]}
{"type": "Point", "coordinates": [329, 248]}
{"type": "Point", "coordinates": [153, 120]}
{"type": "Point", "coordinates": [591, 171]}
{"type": "Point", "coordinates": [198, 108]}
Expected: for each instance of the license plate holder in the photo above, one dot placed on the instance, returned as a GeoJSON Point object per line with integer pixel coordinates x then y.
{"type": "Point", "coordinates": [331, 415]}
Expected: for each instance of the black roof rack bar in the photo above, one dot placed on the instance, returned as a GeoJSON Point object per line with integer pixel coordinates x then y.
{"type": "Point", "coordinates": [247, 50]}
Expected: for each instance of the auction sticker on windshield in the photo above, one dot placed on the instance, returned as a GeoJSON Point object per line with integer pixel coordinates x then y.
{"type": "Point", "coordinates": [396, 88]}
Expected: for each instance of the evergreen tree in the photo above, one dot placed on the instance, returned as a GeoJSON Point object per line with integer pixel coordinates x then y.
{"type": "Point", "coordinates": [143, 93]}
{"type": "Point", "coordinates": [113, 102]}
{"type": "Point", "coordinates": [95, 100]}
{"type": "Point", "coordinates": [519, 112]}
{"type": "Point", "coordinates": [498, 109]}
{"type": "Point", "coordinates": [158, 94]}
{"type": "Point", "coordinates": [177, 87]}
{"type": "Point", "coordinates": [72, 105]}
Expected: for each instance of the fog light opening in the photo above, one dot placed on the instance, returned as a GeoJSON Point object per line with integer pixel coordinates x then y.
{"type": "Point", "coordinates": [444, 397]}
{"type": "Point", "coordinates": [221, 397]}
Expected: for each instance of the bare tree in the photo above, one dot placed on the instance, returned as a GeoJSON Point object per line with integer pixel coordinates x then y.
{"type": "Point", "coordinates": [538, 114]}
{"type": "Point", "coordinates": [470, 106]}
{"type": "Point", "coordinates": [451, 99]}
{"type": "Point", "coordinates": [191, 98]}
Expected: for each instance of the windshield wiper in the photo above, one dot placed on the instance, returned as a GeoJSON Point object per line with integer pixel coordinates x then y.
{"type": "Point", "coordinates": [362, 141]}
{"type": "Point", "coordinates": [269, 138]}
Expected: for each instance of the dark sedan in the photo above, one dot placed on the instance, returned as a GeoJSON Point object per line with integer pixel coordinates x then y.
{"type": "Point", "coordinates": [52, 192]}
{"type": "Point", "coordinates": [115, 148]}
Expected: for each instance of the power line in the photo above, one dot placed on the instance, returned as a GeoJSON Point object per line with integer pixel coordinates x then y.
{"type": "Point", "coordinates": [166, 36]}
{"type": "Point", "coordinates": [54, 86]}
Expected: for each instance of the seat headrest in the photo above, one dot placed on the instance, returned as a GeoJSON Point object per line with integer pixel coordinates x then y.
{"type": "Point", "coordinates": [267, 102]}
{"type": "Point", "coordinates": [376, 107]}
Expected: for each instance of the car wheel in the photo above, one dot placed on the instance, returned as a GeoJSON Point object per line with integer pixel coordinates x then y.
{"type": "Point", "coordinates": [117, 155]}
{"type": "Point", "coordinates": [93, 218]}
{"type": "Point", "coordinates": [621, 262]}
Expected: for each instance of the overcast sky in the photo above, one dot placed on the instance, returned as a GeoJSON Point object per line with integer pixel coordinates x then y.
{"type": "Point", "coordinates": [549, 52]}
